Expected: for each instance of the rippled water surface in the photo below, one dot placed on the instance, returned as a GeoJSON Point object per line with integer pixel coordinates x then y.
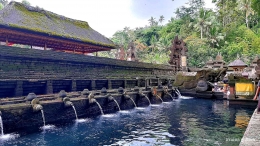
{"type": "Point", "coordinates": [181, 122]}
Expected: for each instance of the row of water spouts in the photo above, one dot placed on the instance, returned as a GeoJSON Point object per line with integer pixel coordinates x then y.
{"type": "Point", "coordinates": [37, 107]}
{"type": "Point", "coordinates": [93, 100]}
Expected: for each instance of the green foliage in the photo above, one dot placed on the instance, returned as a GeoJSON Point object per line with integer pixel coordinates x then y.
{"type": "Point", "coordinates": [1, 6]}
{"type": "Point", "coordinates": [233, 30]}
{"type": "Point", "coordinates": [256, 6]}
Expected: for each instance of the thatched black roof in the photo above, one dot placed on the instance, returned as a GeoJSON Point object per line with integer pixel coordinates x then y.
{"type": "Point", "coordinates": [237, 63]}
{"type": "Point", "coordinates": [20, 16]}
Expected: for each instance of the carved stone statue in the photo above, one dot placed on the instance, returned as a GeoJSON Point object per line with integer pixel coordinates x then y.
{"type": "Point", "coordinates": [120, 54]}
{"type": "Point", "coordinates": [131, 52]}
{"type": "Point", "coordinates": [178, 53]}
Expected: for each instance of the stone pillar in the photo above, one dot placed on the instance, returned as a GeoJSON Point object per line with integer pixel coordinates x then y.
{"type": "Point", "coordinates": [125, 84]}
{"type": "Point", "coordinates": [73, 85]}
{"type": "Point", "coordinates": [138, 82]}
{"type": "Point", "coordinates": [158, 82]}
{"type": "Point", "coordinates": [146, 83]}
{"type": "Point", "coordinates": [109, 84]}
{"type": "Point", "coordinates": [93, 84]}
{"type": "Point", "coordinates": [19, 88]}
{"type": "Point", "coordinates": [49, 87]}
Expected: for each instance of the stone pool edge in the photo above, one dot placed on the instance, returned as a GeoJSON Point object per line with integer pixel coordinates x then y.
{"type": "Point", "coordinates": [252, 134]}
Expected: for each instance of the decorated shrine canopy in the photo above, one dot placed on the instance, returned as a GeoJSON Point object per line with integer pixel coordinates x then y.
{"type": "Point", "coordinates": [22, 24]}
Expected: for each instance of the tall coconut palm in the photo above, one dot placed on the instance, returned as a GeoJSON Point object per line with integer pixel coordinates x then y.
{"type": "Point", "coordinates": [245, 5]}
{"type": "Point", "coordinates": [203, 21]}
{"type": "Point", "coordinates": [161, 19]}
{"type": "Point", "coordinates": [152, 21]}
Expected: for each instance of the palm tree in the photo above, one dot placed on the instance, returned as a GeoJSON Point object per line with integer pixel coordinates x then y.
{"type": "Point", "coordinates": [203, 21]}
{"type": "Point", "coordinates": [163, 44]}
{"type": "Point", "coordinates": [161, 19]}
{"type": "Point", "coordinates": [214, 37]}
{"type": "Point", "coordinates": [245, 5]}
{"type": "Point", "coordinates": [153, 43]}
{"type": "Point", "coordinates": [152, 21]}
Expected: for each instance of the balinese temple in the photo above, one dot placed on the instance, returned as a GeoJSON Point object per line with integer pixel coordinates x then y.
{"type": "Point", "coordinates": [254, 62]}
{"type": "Point", "coordinates": [217, 63]}
{"type": "Point", "coordinates": [210, 63]}
{"type": "Point", "coordinates": [33, 26]}
{"type": "Point", "coordinates": [238, 65]}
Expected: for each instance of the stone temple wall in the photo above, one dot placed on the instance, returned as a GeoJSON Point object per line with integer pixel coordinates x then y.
{"type": "Point", "coordinates": [18, 114]}
{"type": "Point", "coordinates": [44, 72]}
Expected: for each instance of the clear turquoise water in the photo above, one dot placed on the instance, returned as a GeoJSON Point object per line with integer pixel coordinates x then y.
{"type": "Point", "coordinates": [181, 122]}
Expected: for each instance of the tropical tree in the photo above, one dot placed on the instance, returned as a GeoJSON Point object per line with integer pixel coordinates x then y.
{"type": "Point", "coordinates": [215, 37]}
{"type": "Point", "coordinates": [256, 6]}
{"type": "Point", "coordinates": [161, 19]}
{"type": "Point", "coordinates": [153, 43]}
{"type": "Point", "coordinates": [152, 21]}
{"type": "Point", "coordinates": [203, 21]}
{"type": "Point", "coordinates": [163, 45]}
{"type": "Point", "coordinates": [245, 5]}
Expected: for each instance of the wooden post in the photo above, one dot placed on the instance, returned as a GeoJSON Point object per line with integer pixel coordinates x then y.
{"type": "Point", "coordinates": [96, 54]}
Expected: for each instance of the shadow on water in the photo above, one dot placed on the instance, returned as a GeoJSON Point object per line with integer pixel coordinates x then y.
{"type": "Point", "coordinates": [181, 122]}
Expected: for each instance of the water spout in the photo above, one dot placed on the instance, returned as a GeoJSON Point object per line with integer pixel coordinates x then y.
{"type": "Point", "coordinates": [128, 97]}
{"type": "Point", "coordinates": [148, 99]}
{"type": "Point", "coordinates": [75, 112]}
{"type": "Point", "coordinates": [1, 124]}
{"type": "Point", "coordinates": [142, 94]}
{"type": "Point", "coordinates": [43, 117]}
{"type": "Point", "coordinates": [178, 92]}
{"type": "Point", "coordinates": [92, 99]}
{"type": "Point", "coordinates": [112, 98]}
{"type": "Point", "coordinates": [101, 110]}
{"type": "Point", "coordinates": [133, 101]}
{"type": "Point", "coordinates": [170, 95]}
{"type": "Point", "coordinates": [159, 97]}
{"type": "Point", "coordinates": [167, 93]}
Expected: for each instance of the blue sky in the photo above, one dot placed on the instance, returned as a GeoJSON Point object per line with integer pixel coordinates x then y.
{"type": "Point", "coordinates": [108, 16]}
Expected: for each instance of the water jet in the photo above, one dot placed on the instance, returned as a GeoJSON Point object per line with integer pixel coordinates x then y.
{"type": "Point", "coordinates": [92, 99]}
{"type": "Point", "coordinates": [110, 97]}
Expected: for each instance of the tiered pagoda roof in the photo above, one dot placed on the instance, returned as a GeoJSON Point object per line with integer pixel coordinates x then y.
{"type": "Point", "coordinates": [237, 63]}
{"type": "Point", "coordinates": [34, 26]}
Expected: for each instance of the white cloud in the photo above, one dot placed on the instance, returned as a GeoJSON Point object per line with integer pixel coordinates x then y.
{"type": "Point", "coordinates": [105, 16]}
{"type": "Point", "coordinates": [209, 4]}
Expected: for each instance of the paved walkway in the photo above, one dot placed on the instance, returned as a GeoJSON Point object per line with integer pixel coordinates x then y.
{"type": "Point", "coordinates": [252, 135]}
